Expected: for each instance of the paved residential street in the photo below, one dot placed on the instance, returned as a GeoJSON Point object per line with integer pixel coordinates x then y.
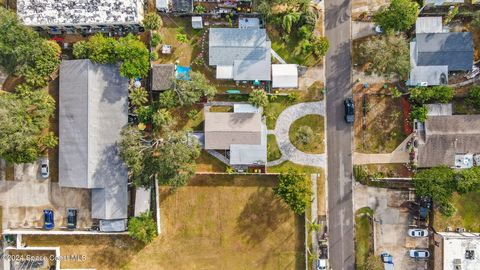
{"type": "Point", "coordinates": [339, 135]}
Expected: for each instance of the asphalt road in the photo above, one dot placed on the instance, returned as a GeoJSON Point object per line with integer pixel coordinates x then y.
{"type": "Point", "coordinates": [339, 135]}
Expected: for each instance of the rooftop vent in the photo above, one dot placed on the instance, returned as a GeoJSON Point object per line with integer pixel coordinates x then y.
{"type": "Point", "coordinates": [470, 254]}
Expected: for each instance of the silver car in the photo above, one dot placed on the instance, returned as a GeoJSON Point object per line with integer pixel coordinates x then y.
{"type": "Point", "coordinates": [419, 253]}
{"type": "Point", "coordinates": [44, 168]}
{"type": "Point", "coordinates": [418, 232]}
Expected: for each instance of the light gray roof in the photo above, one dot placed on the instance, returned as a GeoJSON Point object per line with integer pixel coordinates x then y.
{"type": "Point", "coordinates": [224, 129]}
{"type": "Point", "coordinates": [162, 76]}
{"type": "Point", "coordinates": [432, 75]}
{"type": "Point", "coordinates": [229, 44]}
{"type": "Point", "coordinates": [93, 108]}
{"type": "Point", "coordinates": [250, 154]}
{"type": "Point", "coordinates": [454, 50]}
{"type": "Point", "coordinates": [428, 25]}
{"type": "Point", "coordinates": [252, 70]}
{"type": "Point", "coordinates": [446, 136]}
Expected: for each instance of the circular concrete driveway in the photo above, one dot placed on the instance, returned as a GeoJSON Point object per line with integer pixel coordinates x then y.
{"type": "Point", "coordinates": [282, 126]}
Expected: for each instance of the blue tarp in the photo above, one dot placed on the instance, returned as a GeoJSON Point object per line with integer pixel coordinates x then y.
{"type": "Point", "coordinates": [183, 73]}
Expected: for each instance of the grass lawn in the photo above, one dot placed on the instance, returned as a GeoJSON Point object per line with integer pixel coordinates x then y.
{"type": "Point", "coordinates": [466, 216]}
{"type": "Point", "coordinates": [102, 252]}
{"type": "Point", "coordinates": [180, 114]}
{"type": "Point", "coordinates": [383, 130]}
{"type": "Point", "coordinates": [363, 236]}
{"type": "Point", "coordinates": [208, 163]}
{"type": "Point", "coordinates": [225, 222]}
{"type": "Point", "coordinates": [273, 152]}
{"type": "Point", "coordinates": [287, 165]}
{"type": "Point", "coordinates": [316, 123]}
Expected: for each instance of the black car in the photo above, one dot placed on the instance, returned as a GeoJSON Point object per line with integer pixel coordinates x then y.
{"type": "Point", "coordinates": [349, 110]}
{"type": "Point", "coordinates": [71, 218]}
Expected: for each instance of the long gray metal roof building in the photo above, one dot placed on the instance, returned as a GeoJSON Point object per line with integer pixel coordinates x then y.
{"type": "Point", "coordinates": [92, 111]}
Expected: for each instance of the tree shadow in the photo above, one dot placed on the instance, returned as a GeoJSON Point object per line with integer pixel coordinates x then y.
{"type": "Point", "coordinates": [262, 215]}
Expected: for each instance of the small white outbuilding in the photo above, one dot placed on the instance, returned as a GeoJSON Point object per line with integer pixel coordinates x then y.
{"type": "Point", "coordinates": [284, 76]}
{"type": "Point", "coordinates": [197, 22]}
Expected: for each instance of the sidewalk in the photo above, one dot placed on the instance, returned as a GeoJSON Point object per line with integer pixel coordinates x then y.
{"type": "Point", "coordinates": [399, 155]}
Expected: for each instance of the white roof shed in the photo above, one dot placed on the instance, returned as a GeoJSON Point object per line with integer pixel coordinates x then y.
{"type": "Point", "coordinates": [197, 22]}
{"type": "Point", "coordinates": [284, 76]}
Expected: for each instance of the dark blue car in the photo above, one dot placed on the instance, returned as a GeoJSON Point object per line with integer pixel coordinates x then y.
{"type": "Point", "coordinates": [48, 220]}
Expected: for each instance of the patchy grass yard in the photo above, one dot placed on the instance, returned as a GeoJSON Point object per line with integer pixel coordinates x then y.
{"type": "Point", "coordinates": [287, 165]}
{"type": "Point", "coordinates": [363, 236]}
{"type": "Point", "coordinates": [185, 121]}
{"type": "Point", "coordinates": [208, 163]}
{"type": "Point", "coordinates": [225, 222]}
{"type": "Point", "coordinates": [389, 170]}
{"type": "Point", "coordinates": [384, 128]}
{"type": "Point", "coordinates": [460, 106]}
{"type": "Point", "coordinates": [317, 124]}
{"type": "Point", "coordinates": [102, 252]}
{"type": "Point", "coordinates": [466, 216]}
{"type": "Point", "coordinates": [273, 152]}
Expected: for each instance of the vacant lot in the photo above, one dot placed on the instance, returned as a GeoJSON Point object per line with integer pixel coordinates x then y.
{"type": "Point", "coordinates": [225, 222]}
{"type": "Point", "coordinates": [381, 130]}
{"type": "Point", "coordinates": [466, 216]}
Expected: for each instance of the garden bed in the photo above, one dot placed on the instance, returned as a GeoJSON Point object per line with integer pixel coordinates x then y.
{"type": "Point", "coordinates": [314, 141]}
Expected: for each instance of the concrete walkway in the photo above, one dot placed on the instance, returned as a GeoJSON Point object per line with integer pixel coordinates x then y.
{"type": "Point", "coordinates": [399, 155]}
{"type": "Point", "coordinates": [282, 126]}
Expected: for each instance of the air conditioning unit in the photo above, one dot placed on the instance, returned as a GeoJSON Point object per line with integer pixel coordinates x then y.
{"type": "Point", "coordinates": [457, 264]}
{"type": "Point", "coordinates": [460, 230]}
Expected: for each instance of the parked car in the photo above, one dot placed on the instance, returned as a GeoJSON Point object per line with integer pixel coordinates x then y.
{"type": "Point", "coordinates": [48, 219]}
{"type": "Point", "coordinates": [472, 73]}
{"type": "Point", "coordinates": [321, 264]}
{"type": "Point", "coordinates": [387, 260]}
{"type": "Point", "coordinates": [418, 232]}
{"type": "Point", "coordinates": [419, 253]}
{"type": "Point", "coordinates": [349, 110]}
{"type": "Point", "coordinates": [44, 168]}
{"type": "Point", "coordinates": [378, 29]}
{"type": "Point", "coordinates": [71, 218]}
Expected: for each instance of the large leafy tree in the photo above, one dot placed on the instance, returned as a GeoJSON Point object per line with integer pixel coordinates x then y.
{"type": "Point", "coordinates": [439, 184]}
{"type": "Point", "coordinates": [143, 228]}
{"type": "Point", "coordinates": [294, 188]}
{"type": "Point", "coordinates": [101, 49]}
{"type": "Point", "coordinates": [138, 96]}
{"type": "Point", "coordinates": [289, 20]}
{"type": "Point", "coordinates": [23, 117]}
{"type": "Point", "coordinates": [441, 93]}
{"type": "Point", "coordinates": [400, 15]}
{"type": "Point", "coordinates": [386, 55]}
{"type": "Point", "coordinates": [468, 180]}
{"type": "Point", "coordinates": [134, 56]}
{"type": "Point", "coordinates": [24, 52]}
{"type": "Point", "coordinates": [187, 92]}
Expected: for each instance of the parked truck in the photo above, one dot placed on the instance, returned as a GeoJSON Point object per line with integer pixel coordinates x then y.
{"type": "Point", "coordinates": [387, 260]}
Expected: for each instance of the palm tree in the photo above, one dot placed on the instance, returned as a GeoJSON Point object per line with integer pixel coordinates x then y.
{"type": "Point", "coordinates": [289, 19]}
{"type": "Point", "coordinates": [138, 96]}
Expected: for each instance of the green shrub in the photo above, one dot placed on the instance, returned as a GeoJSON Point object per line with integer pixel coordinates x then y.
{"type": "Point", "coordinates": [473, 97]}
{"type": "Point", "coordinates": [143, 228]}
{"type": "Point", "coordinates": [155, 40]}
{"type": "Point", "coordinates": [419, 113]}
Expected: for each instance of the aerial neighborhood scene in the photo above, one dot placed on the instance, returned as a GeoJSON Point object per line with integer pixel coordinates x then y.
{"type": "Point", "coordinates": [240, 134]}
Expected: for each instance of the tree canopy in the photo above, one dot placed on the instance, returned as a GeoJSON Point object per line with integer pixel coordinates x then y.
{"type": "Point", "coordinates": [441, 182]}
{"type": "Point", "coordinates": [399, 16]}
{"type": "Point", "coordinates": [23, 117]}
{"type": "Point", "coordinates": [473, 97]}
{"type": "Point", "coordinates": [386, 55]}
{"type": "Point", "coordinates": [440, 93]}
{"type": "Point", "coordinates": [143, 227]}
{"type": "Point", "coordinates": [129, 50]}
{"type": "Point", "coordinates": [24, 52]}
{"type": "Point", "coordinates": [187, 92]}
{"type": "Point", "coordinates": [294, 189]}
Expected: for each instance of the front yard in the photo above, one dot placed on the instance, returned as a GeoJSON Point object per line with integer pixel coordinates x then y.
{"type": "Point", "coordinates": [313, 143]}
{"type": "Point", "coordinates": [382, 128]}
{"type": "Point", "coordinates": [466, 216]}
{"type": "Point", "coordinates": [363, 237]}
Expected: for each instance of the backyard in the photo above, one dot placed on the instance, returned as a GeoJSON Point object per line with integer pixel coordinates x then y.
{"type": "Point", "coordinates": [382, 128]}
{"type": "Point", "coordinates": [466, 216]}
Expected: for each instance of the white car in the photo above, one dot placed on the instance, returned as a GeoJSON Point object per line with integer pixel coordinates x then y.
{"type": "Point", "coordinates": [418, 232]}
{"type": "Point", "coordinates": [419, 253]}
{"type": "Point", "coordinates": [472, 73]}
{"type": "Point", "coordinates": [44, 168]}
{"type": "Point", "coordinates": [321, 264]}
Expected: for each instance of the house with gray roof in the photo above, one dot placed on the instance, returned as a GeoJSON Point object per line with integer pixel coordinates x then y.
{"type": "Point", "coordinates": [240, 54]}
{"type": "Point", "coordinates": [452, 140]}
{"type": "Point", "coordinates": [93, 109]}
{"type": "Point", "coordinates": [434, 53]}
{"type": "Point", "coordinates": [241, 133]}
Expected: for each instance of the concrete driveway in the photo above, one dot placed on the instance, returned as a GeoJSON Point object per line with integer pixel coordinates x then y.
{"type": "Point", "coordinates": [24, 199]}
{"type": "Point", "coordinates": [391, 224]}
